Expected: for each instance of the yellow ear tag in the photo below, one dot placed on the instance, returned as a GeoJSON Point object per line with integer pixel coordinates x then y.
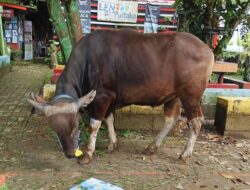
{"type": "Point", "coordinates": [78, 153]}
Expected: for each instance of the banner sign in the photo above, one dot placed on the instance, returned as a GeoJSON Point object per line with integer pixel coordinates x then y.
{"type": "Point", "coordinates": [85, 15]}
{"type": "Point", "coordinates": [11, 30]}
{"type": "Point", "coordinates": [152, 14]}
{"type": "Point", "coordinates": [7, 13]}
{"type": "Point", "coordinates": [28, 48]}
{"type": "Point", "coordinates": [118, 11]}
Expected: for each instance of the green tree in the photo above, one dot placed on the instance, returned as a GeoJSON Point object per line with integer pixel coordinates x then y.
{"type": "Point", "coordinates": [202, 18]}
{"type": "Point", "coordinates": [245, 57]}
{"type": "Point", "coordinates": [245, 42]}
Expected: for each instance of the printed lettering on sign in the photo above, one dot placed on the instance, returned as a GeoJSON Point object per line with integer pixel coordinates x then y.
{"type": "Point", "coordinates": [8, 13]}
{"type": "Point", "coordinates": [118, 11]}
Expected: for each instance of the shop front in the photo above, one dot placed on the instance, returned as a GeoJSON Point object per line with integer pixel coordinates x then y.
{"type": "Point", "coordinates": [17, 31]}
{"type": "Point", "coordinates": [4, 54]}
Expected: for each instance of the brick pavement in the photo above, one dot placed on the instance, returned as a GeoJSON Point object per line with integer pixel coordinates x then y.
{"type": "Point", "coordinates": [15, 87]}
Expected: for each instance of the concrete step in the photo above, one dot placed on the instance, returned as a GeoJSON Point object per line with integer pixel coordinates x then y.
{"type": "Point", "coordinates": [210, 95]}
{"type": "Point", "coordinates": [233, 114]}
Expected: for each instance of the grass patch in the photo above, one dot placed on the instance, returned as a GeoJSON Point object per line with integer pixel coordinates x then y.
{"type": "Point", "coordinates": [126, 133]}
{"type": "Point", "coordinates": [4, 187]}
{"type": "Point", "coordinates": [47, 78]}
{"type": "Point", "coordinates": [130, 134]}
{"type": "Point", "coordinates": [85, 133]}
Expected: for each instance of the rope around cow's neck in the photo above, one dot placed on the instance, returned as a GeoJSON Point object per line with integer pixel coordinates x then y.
{"type": "Point", "coordinates": [60, 96]}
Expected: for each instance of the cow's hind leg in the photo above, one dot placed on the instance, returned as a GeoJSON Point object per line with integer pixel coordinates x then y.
{"type": "Point", "coordinates": [172, 113]}
{"type": "Point", "coordinates": [113, 141]}
{"type": "Point", "coordinates": [195, 117]}
{"type": "Point", "coordinates": [95, 126]}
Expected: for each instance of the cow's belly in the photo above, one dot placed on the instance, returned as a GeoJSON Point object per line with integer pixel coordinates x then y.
{"type": "Point", "coordinates": [147, 95]}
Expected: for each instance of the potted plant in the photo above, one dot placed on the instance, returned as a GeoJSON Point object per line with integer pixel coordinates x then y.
{"type": "Point", "coordinates": [16, 54]}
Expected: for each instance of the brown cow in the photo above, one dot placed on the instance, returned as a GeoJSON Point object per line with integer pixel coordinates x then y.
{"type": "Point", "coordinates": [126, 67]}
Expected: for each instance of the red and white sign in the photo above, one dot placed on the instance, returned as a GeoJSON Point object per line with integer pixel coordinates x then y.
{"type": "Point", "coordinates": [164, 2]}
{"type": "Point", "coordinates": [8, 13]}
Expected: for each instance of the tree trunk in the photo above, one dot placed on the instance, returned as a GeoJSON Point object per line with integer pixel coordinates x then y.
{"type": "Point", "coordinates": [60, 26]}
{"type": "Point", "coordinates": [74, 21]}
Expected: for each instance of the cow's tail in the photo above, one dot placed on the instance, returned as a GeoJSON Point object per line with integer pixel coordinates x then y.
{"type": "Point", "coordinates": [210, 63]}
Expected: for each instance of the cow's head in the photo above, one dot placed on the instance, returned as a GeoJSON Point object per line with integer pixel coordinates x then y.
{"type": "Point", "coordinates": [63, 118]}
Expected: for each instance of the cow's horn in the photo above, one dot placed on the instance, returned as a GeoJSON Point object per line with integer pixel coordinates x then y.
{"type": "Point", "coordinates": [39, 106]}
{"type": "Point", "coordinates": [33, 96]}
{"type": "Point", "coordinates": [86, 100]}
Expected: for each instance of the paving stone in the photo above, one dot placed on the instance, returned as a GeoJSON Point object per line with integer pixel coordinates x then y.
{"type": "Point", "coordinates": [17, 110]}
{"type": "Point", "coordinates": [3, 118]}
{"type": "Point", "coordinates": [12, 118]}
{"type": "Point", "coordinates": [15, 87]}
{"type": "Point", "coordinates": [6, 114]}
{"type": "Point", "coordinates": [11, 107]}
{"type": "Point", "coordinates": [2, 124]}
{"type": "Point", "coordinates": [21, 113]}
{"type": "Point", "coordinates": [7, 129]}
{"type": "Point", "coordinates": [20, 118]}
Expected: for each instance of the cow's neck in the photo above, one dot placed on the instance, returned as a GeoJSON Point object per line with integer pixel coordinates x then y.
{"type": "Point", "coordinates": [72, 78]}
{"type": "Point", "coordinates": [68, 85]}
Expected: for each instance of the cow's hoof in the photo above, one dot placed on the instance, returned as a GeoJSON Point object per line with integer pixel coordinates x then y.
{"type": "Point", "coordinates": [150, 150]}
{"type": "Point", "coordinates": [184, 156]}
{"type": "Point", "coordinates": [112, 147]}
{"type": "Point", "coordinates": [85, 160]}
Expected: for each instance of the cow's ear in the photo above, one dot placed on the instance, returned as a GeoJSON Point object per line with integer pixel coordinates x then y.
{"type": "Point", "coordinates": [38, 99]}
{"type": "Point", "coordinates": [41, 107]}
{"type": "Point", "coordinates": [86, 100]}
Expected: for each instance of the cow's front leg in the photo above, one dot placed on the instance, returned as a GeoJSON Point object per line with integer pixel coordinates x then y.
{"type": "Point", "coordinates": [113, 141]}
{"type": "Point", "coordinates": [194, 127]}
{"type": "Point", "coordinates": [95, 126]}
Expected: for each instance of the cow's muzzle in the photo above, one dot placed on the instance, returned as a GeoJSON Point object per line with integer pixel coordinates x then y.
{"type": "Point", "coordinates": [69, 155]}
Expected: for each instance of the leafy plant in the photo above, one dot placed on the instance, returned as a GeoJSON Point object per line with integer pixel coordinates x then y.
{"type": "Point", "coordinates": [52, 46]}
{"type": "Point", "coordinates": [16, 54]}
{"type": "Point", "coordinates": [55, 55]}
{"type": "Point", "coordinates": [84, 136]}
{"type": "Point", "coordinates": [4, 187]}
{"type": "Point", "coordinates": [60, 57]}
{"type": "Point", "coordinates": [47, 78]}
{"type": "Point", "coordinates": [125, 133]}
{"type": "Point", "coordinates": [245, 42]}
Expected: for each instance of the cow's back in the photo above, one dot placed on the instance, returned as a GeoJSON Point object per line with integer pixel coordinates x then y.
{"type": "Point", "coordinates": [147, 69]}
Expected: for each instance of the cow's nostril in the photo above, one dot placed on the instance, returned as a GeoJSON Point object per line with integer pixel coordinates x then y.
{"type": "Point", "coordinates": [69, 155]}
